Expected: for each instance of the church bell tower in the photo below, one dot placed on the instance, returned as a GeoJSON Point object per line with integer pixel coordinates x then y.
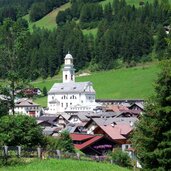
{"type": "Point", "coordinates": [68, 70]}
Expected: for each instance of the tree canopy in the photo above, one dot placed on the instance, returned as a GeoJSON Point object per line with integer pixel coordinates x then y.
{"type": "Point", "coordinates": [20, 130]}
{"type": "Point", "coordinates": [152, 137]}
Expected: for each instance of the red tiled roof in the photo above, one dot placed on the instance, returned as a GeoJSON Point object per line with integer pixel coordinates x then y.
{"type": "Point", "coordinates": [116, 108]}
{"type": "Point", "coordinates": [88, 143]}
{"type": "Point", "coordinates": [80, 137]}
{"type": "Point", "coordinates": [116, 132]}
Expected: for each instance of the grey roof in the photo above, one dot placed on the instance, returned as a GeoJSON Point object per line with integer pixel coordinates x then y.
{"type": "Point", "coordinates": [25, 102]}
{"type": "Point", "coordinates": [140, 105]}
{"type": "Point", "coordinates": [101, 114]}
{"type": "Point", "coordinates": [81, 116]}
{"type": "Point", "coordinates": [64, 115]}
{"type": "Point", "coordinates": [49, 130]}
{"type": "Point", "coordinates": [71, 128]}
{"type": "Point", "coordinates": [121, 120]}
{"type": "Point", "coordinates": [50, 119]}
{"type": "Point", "coordinates": [108, 121]}
{"type": "Point", "coordinates": [71, 87]}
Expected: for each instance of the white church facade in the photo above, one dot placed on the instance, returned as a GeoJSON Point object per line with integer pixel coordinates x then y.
{"type": "Point", "coordinates": [71, 96]}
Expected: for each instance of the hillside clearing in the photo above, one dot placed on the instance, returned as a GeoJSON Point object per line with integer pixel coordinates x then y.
{"type": "Point", "coordinates": [64, 165]}
{"type": "Point", "coordinates": [48, 21]}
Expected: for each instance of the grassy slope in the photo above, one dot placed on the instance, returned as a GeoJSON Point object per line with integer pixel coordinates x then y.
{"type": "Point", "coordinates": [134, 82]}
{"type": "Point", "coordinates": [64, 165]}
{"type": "Point", "coordinates": [49, 21]}
{"type": "Point", "coordinates": [124, 83]}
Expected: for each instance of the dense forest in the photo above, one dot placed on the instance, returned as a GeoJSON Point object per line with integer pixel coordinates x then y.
{"type": "Point", "coordinates": [126, 35]}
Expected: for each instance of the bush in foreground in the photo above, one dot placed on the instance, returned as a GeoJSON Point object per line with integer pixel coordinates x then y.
{"type": "Point", "coordinates": [121, 158]}
{"type": "Point", "coordinates": [20, 130]}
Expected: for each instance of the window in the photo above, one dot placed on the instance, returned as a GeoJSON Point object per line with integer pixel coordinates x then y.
{"type": "Point", "coordinates": [70, 104]}
{"type": "Point", "coordinates": [52, 97]}
{"type": "Point", "coordinates": [66, 104]}
{"type": "Point", "coordinates": [72, 77]}
{"type": "Point", "coordinates": [61, 104]}
{"type": "Point", "coordinates": [126, 146]}
{"type": "Point", "coordinates": [65, 77]}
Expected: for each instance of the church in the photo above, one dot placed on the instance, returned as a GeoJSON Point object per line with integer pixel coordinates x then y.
{"type": "Point", "coordinates": [71, 96]}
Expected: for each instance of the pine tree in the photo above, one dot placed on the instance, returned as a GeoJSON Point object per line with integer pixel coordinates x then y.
{"type": "Point", "coordinates": [44, 91]}
{"type": "Point", "coordinates": [161, 42]}
{"type": "Point", "coordinates": [152, 137]}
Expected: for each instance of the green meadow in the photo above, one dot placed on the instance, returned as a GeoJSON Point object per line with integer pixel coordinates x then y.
{"type": "Point", "coordinates": [125, 83]}
{"type": "Point", "coordinates": [64, 165]}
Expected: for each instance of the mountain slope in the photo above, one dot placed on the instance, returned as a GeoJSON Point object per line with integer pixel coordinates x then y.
{"type": "Point", "coordinates": [48, 21]}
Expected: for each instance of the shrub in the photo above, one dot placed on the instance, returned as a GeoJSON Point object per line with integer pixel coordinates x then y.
{"type": "Point", "coordinates": [52, 143]}
{"type": "Point", "coordinates": [121, 158]}
{"type": "Point", "coordinates": [63, 143]}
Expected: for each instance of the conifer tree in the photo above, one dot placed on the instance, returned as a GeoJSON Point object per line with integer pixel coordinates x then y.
{"type": "Point", "coordinates": [161, 42]}
{"type": "Point", "coordinates": [152, 137]}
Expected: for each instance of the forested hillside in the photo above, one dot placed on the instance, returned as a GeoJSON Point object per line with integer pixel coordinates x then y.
{"type": "Point", "coordinates": [126, 35]}
{"type": "Point", "coordinates": [36, 8]}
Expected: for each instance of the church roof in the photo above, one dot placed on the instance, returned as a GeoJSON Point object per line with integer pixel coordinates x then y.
{"type": "Point", "coordinates": [72, 87]}
{"type": "Point", "coordinates": [68, 56]}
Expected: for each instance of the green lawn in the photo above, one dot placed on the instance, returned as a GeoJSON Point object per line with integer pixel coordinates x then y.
{"type": "Point", "coordinates": [49, 21]}
{"type": "Point", "coordinates": [136, 82]}
{"type": "Point", "coordinates": [64, 165]}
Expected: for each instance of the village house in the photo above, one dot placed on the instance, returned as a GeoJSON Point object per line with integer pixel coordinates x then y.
{"type": "Point", "coordinates": [92, 144]}
{"type": "Point", "coordinates": [27, 107]}
{"type": "Point", "coordinates": [92, 124]}
{"type": "Point", "coordinates": [78, 118]}
{"type": "Point", "coordinates": [118, 133]}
